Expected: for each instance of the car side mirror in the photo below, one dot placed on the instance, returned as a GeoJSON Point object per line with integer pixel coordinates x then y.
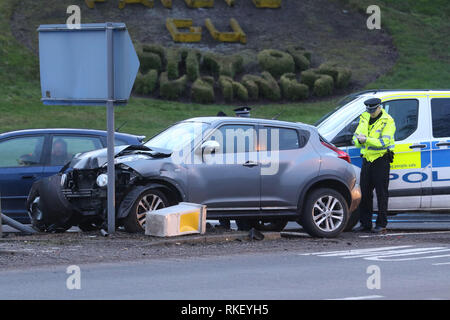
{"type": "Point", "coordinates": [209, 146]}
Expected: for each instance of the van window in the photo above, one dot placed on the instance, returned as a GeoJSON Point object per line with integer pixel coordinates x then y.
{"type": "Point", "coordinates": [440, 113]}
{"type": "Point", "coordinates": [405, 114]}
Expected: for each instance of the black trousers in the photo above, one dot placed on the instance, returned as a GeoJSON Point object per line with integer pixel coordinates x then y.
{"type": "Point", "coordinates": [374, 175]}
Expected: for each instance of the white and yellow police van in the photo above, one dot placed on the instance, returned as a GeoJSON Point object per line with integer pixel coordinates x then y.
{"type": "Point", "coordinates": [420, 173]}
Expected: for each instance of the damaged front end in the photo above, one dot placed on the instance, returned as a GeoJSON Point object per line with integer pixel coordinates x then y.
{"type": "Point", "coordinates": [77, 196]}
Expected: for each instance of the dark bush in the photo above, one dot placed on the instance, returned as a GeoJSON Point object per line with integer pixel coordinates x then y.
{"type": "Point", "coordinates": [192, 66]}
{"type": "Point", "coordinates": [146, 84]}
{"type": "Point", "coordinates": [218, 65]}
{"type": "Point", "coordinates": [343, 79]}
{"type": "Point", "coordinates": [308, 77]}
{"type": "Point", "coordinates": [323, 86]}
{"type": "Point", "coordinates": [171, 89]}
{"type": "Point", "coordinates": [226, 85]}
{"type": "Point", "coordinates": [154, 48]}
{"type": "Point", "coordinates": [202, 91]}
{"type": "Point", "coordinates": [149, 60]}
{"type": "Point", "coordinates": [292, 90]}
{"type": "Point", "coordinates": [248, 81]}
{"type": "Point", "coordinates": [240, 91]}
{"type": "Point", "coordinates": [276, 62]}
{"type": "Point", "coordinates": [302, 58]}
{"type": "Point", "coordinates": [173, 61]}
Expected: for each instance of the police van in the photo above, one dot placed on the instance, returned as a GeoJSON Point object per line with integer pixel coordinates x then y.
{"type": "Point", "coordinates": [420, 173]}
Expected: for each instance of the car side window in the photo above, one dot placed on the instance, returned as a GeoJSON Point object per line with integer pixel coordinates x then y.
{"type": "Point", "coordinates": [65, 147]}
{"type": "Point", "coordinates": [21, 152]}
{"type": "Point", "coordinates": [405, 114]}
{"type": "Point", "coordinates": [279, 139]}
{"type": "Point", "coordinates": [235, 138]}
{"type": "Point", "coordinates": [440, 114]}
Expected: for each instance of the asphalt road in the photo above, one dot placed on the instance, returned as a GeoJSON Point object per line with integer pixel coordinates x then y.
{"type": "Point", "coordinates": [406, 272]}
{"type": "Point", "coordinates": [411, 262]}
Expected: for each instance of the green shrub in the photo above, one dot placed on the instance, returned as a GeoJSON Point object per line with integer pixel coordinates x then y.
{"type": "Point", "coordinates": [292, 90]}
{"type": "Point", "coordinates": [240, 91]}
{"type": "Point", "coordinates": [218, 65]}
{"type": "Point", "coordinates": [209, 80]}
{"type": "Point", "coordinates": [301, 58]}
{"type": "Point", "coordinates": [343, 79]}
{"type": "Point", "coordinates": [149, 60]}
{"type": "Point", "coordinates": [202, 91]}
{"type": "Point", "coordinates": [171, 89]}
{"type": "Point", "coordinates": [146, 83]}
{"type": "Point", "coordinates": [329, 68]}
{"type": "Point", "coordinates": [308, 77]}
{"type": "Point", "coordinates": [192, 66]}
{"type": "Point", "coordinates": [252, 87]}
{"type": "Point", "coordinates": [226, 85]}
{"type": "Point", "coordinates": [269, 87]}
{"type": "Point", "coordinates": [173, 61]}
{"type": "Point", "coordinates": [323, 86]}
{"type": "Point", "coordinates": [276, 62]}
{"type": "Point", "coordinates": [154, 48]}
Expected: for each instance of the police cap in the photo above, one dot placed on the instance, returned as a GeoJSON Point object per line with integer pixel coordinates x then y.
{"type": "Point", "coordinates": [372, 104]}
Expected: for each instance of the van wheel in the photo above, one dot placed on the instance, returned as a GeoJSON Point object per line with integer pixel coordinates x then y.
{"type": "Point", "coordinates": [148, 200]}
{"type": "Point", "coordinates": [325, 213]}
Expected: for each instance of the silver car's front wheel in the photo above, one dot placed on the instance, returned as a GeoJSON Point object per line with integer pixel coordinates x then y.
{"type": "Point", "coordinates": [149, 200]}
{"type": "Point", "coordinates": [325, 213]}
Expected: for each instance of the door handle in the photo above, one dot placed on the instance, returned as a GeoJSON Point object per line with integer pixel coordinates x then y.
{"type": "Point", "coordinates": [417, 146]}
{"type": "Point", "coordinates": [29, 177]}
{"type": "Point", "coordinates": [250, 164]}
{"type": "Point", "coordinates": [442, 144]}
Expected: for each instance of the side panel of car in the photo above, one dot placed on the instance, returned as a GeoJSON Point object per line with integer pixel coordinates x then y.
{"type": "Point", "coordinates": [440, 151]}
{"type": "Point", "coordinates": [229, 179]}
{"type": "Point", "coordinates": [286, 170]}
{"type": "Point", "coordinates": [21, 164]}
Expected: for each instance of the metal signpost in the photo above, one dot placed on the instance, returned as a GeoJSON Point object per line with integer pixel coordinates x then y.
{"type": "Point", "coordinates": [93, 65]}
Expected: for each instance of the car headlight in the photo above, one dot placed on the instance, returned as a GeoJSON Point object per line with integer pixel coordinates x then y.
{"type": "Point", "coordinates": [63, 180]}
{"type": "Point", "coordinates": [102, 180]}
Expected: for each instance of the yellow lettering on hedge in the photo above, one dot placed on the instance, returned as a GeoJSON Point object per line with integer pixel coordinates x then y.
{"type": "Point", "coordinates": [237, 35]}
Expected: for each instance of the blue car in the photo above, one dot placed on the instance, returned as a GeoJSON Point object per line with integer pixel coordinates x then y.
{"type": "Point", "coordinates": [29, 155]}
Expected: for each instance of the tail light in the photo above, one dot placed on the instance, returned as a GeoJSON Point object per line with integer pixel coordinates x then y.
{"type": "Point", "coordinates": [341, 154]}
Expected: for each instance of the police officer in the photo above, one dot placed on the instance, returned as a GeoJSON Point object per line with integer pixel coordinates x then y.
{"type": "Point", "coordinates": [375, 136]}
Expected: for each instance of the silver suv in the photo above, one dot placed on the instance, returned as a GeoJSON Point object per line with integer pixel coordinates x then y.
{"type": "Point", "coordinates": [261, 173]}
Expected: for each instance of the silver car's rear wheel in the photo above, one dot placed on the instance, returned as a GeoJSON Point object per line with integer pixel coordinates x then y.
{"type": "Point", "coordinates": [328, 213]}
{"type": "Point", "coordinates": [325, 213]}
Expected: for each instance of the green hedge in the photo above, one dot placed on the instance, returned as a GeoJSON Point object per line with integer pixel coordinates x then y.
{"type": "Point", "coordinates": [149, 60]}
{"type": "Point", "coordinates": [267, 85]}
{"type": "Point", "coordinates": [252, 87]}
{"type": "Point", "coordinates": [192, 66]}
{"type": "Point", "coordinates": [276, 62]}
{"type": "Point", "coordinates": [146, 83]}
{"type": "Point", "coordinates": [157, 49]}
{"type": "Point", "coordinates": [240, 91]}
{"type": "Point", "coordinates": [309, 77]}
{"type": "Point", "coordinates": [324, 86]}
{"type": "Point", "coordinates": [232, 89]}
{"type": "Point", "coordinates": [292, 90]}
{"type": "Point", "coordinates": [173, 61]}
{"type": "Point", "coordinates": [202, 91]}
{"type": "Point", "coordinates": [171, 89]}
{"type": "Point", "coordinates": [218, 65]}
{"type": "Point", "coordinates": [302, 58]}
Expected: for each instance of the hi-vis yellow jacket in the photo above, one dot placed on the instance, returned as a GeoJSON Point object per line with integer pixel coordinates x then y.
{"type": "Point", "coordinates": [380, 135]}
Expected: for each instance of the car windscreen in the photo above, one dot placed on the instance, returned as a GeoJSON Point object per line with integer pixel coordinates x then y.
{"type": "Point", "coordinates": [341, 104]}
{"type": "Point", "coordinates": [178, 136]}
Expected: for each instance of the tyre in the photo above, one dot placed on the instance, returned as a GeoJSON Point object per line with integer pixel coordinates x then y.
{"type": "Point", "coordinates": [352, 221]}
{"type": "Point", "coordinates": [148, 200]}
{"type": "Point", "coordinates": [325, 213]}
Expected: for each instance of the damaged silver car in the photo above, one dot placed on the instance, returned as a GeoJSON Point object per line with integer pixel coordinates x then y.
{"type": "Point", "coordinates": [261, 173]}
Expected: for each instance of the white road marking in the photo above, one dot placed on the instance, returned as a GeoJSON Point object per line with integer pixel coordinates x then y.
{"type": "Point", "coordinates": [359, 298]}
{"type": "Point", "coordinates": [387, 253]}
{"type": "Point", "coordinates": [403, 234]}
{"type": "Point", "coordinates": [350, 252]}
{"type": "Point", "coordinates": [440, 264]}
